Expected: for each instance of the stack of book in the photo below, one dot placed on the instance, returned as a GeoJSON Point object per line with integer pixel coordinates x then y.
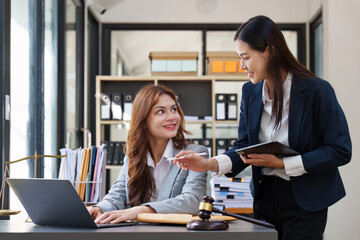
{"type": "Point", "coordinates": [232, 192]}
{"type": "Point", "coordinates": [85, 169]}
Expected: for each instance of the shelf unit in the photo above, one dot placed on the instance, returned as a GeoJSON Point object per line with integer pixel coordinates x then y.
{"type": "Point", "coordinates": [197, 97]}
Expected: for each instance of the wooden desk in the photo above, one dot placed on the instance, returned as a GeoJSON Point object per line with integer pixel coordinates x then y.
{"type": "Point", "coordinates": [11, 229]}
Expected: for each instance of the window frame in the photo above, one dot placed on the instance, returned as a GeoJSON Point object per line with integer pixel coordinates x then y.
{"type": "Point", "coordinates": [80, 50]}
{"type": "Point", "coordinates": [313, 25]}
{"type": "Point", "coordinates": [4, 90]}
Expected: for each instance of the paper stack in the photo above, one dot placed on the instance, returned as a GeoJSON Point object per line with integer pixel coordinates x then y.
{"type": "Point", "coordinates": [232, 192]}
{"type": "Point", "coordinates": [85, 169]}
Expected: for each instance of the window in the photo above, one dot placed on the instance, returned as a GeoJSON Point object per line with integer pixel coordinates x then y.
{"type": "Point", "coordinates": [126, 47]}
{"type": "Point", "coordinates": [4, 92]}
{"type": "Point", "coordinates": [74, 73]}
{"type": "Point", "coordinates": [316, 46]}
{"type": "Point", "coordinates": [130, 49]}
{"type": "Point", "coordinates": [33, 89]}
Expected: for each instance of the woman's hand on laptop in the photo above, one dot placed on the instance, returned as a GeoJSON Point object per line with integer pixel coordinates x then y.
{"type": "Point", "coordinates": [95, 212]}
{"type": "Point", "coordinates": [123, 215]}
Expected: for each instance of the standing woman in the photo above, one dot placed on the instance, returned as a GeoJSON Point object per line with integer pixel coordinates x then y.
{"type": "Point", "coordinates": [285, 102]}
{"type": "Point", "coordinates": [147, 182]}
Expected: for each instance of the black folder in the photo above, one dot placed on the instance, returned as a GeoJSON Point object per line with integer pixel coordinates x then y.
{"type": "Point", "coordinates": [116, 106]}
{"type": "Point", "coordinates": [220, 146]}
{"type": "Point", "coordinates": [197, 141]}
{"type": "Point", "coordinates": [275, 148]}
{"type": "Point", "coordinates": [207, 142]}
{"type": "Point", "coordinates": [232, 106]}
{"type": "Point", "coordinates": [121, 153]}
{"type": "Point", "coordinates": [110, 153]}
{"type": "Point", "coordinates": [230, 142]}
{"type": "Point", "coordinates": [116, 158]}
{"type": "Point", "coordinates": [178, 97]}
{"type": "Point", "coordinates": [105, 104]}
{"type": "Point", "coordinates": [220, 99]}
{"type": "Point", "coordinates": [127, 103]}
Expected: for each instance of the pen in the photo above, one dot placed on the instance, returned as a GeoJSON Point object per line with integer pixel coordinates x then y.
{"type": "Point", "coordinates": [174, 158]}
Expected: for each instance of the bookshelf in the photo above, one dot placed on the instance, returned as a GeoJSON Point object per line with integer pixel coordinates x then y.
{"type": "Point", "coordinates": [197, 98]}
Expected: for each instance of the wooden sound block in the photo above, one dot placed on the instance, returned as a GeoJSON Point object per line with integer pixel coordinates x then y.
{"type": "Point", "coordinates": [176, 218]}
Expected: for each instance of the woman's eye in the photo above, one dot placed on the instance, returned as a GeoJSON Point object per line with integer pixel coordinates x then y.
{"type": "Point", "coordinates": [174, 109]}
{"type": "Point", "coordinates": [160, 111]}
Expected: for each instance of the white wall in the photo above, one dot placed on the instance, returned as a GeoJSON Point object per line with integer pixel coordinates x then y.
{"type": "Point", "coordinates": [342, 51]}
{"type": "Point", "coordinates": [199, 11]}
{"type": "Point", "coordinates": [341, 63]}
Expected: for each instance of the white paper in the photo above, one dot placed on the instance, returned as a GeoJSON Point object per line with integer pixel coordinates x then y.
{"type": "Point", "coordinates": [232, 111]}
{"type": "Point", "coordinates": [220, 111]}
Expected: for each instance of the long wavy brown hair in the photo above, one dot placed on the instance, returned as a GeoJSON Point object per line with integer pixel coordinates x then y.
{"type": "Point", "coordinates": [260, 33]}
{"type": "Point", "coordinates": [141, 183]}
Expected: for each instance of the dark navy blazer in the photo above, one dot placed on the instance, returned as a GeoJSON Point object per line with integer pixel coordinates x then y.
{"type": "Point", "coordinates": [317, 130]}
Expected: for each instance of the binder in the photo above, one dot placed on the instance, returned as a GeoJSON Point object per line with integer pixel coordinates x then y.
{"type": "Point", "coordinates": [116, 156]}
{"type": "Point", "coordinates": [116, 106]}
{"type": "Point", "coordinates": [220, 99]}
{"type": "Point", "coordinates": [105, 104]}
{"type": "Point", "coordinates": [127, 100]}
{"type": "Point", "coordinates": [232, 107]}
{"type": "Point", "coordinates": [197, 141]}
{"type": "Point", "coordinates": [121, 153]}
{"type": "Point", "coordinates": [178, 97]}
{"type": "Point", "coordinates": [110, 153]}
{"type": "Point", "coordinates": [207, 142]}
{"type": "Point", "coordinates": [220, 146]}
{"type": "Point", "coordinates": [231, 142]}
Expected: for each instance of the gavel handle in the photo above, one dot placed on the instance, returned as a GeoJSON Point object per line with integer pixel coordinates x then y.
{"type": "Point", "coordinates": [247, 219]}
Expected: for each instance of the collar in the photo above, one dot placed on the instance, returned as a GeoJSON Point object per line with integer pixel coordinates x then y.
{"type": "Point", "coordinates": [168, 153]}
{"type": "Point", "coordinates": [286, 87]}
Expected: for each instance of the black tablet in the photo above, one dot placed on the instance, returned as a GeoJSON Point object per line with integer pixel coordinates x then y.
{"type": "Point", "coordinates": [275, 148]}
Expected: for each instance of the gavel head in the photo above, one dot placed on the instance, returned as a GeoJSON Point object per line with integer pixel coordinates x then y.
{"type": "Point", "coordinates": [206, 207]}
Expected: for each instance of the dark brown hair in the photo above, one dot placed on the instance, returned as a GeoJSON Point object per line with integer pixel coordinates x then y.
{"type": "Point", "coordinates": [259, 33]}
{"type": "Point", "coordinates": [141, 182]}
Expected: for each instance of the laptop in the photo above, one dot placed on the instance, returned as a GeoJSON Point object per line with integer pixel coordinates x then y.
{"type": "Point", "coordinates": [54, 202]}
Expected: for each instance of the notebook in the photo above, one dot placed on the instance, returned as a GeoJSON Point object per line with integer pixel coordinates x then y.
{"type": "Point", "coordinates": [54, 202]}
{"type": "Point", "coordinates": [275, 148]}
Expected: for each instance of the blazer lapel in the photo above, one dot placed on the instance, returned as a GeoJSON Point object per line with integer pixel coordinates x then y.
{"type": "Point", "coordinates": [166, 186]}
{"type": "Point", "coordinates": [255, 112]}
{"type": "Point", "coordinates": [296, 110]}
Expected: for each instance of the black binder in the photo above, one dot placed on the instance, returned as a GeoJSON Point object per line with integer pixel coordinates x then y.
{"type": "Point", "coordinates": [230, 142]}
{"type": "Point", "coordinates": [197, 141]}
{"type": "Point", "coordinates": [116, 106]}
{"type": "Point", "coordinates": [116, 157]}
{"type": "Point", "coordinates": [105, 103]}
{"type": "Point", "coordinates": [178, 97]}
{"type": "Point", "coordinates": [232, 106]}
{"type": "Point", "coordinates": [127, 103]}
{"type": "Point", "coordinates": [220, 100]}
{"type": "Point", "coordinates": [121, 153]}
{"type": "Point", "coordinates": [110, 154]}
{"type": "Point", "coordinates": [207, 142]}
{"type": "Point", "coordinates": [221, 144]}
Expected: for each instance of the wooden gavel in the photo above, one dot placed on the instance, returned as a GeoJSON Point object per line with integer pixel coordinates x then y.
{"type": "Point", "coordinates": [206, 208]}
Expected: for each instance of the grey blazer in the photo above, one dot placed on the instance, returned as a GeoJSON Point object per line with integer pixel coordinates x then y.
{"type": "Point", "coordinates": [180, 192]}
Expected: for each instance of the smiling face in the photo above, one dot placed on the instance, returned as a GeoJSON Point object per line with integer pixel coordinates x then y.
{"type": "Point", "coordinates": [164, 119]}
{"type": "Point", "coordinates": [253, 62]}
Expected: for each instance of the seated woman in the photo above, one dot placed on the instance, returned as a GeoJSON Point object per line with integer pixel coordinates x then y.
{"type": "Point", "coordinates": [147, 182]}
